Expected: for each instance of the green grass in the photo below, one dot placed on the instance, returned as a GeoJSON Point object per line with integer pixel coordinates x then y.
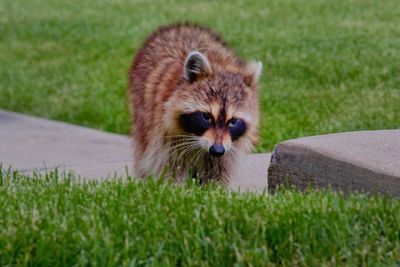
{"type": "Point", "coordinates": [329, 65]}
{"type": "Point", "coordinates": [50, 221]}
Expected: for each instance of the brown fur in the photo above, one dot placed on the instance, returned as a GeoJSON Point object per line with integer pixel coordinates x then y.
{"type": "Point", "coordinates": [159, 93]}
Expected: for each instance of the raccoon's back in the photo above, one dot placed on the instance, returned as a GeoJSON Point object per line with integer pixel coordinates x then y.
{"type": "Point", "coordinates": [159, 63]}
{"type": "Point", "coordinates": [158, 67]}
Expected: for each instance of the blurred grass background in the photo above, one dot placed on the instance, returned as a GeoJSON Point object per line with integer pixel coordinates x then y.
{"type": "Point", "coordinates": [329, 66]}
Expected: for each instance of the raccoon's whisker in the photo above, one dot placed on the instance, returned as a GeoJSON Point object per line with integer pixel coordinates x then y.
{"type": "Point", "coordinates": [181, 140]}
{"type": "Point", "coordinates": [189, 148]}
{"type": "Point", "coordinates": [200, 152]}
{"type": "Point", "coordinates": [184, 150]}
{"type": "Point", "coordinates": [181, 135]}
{"type": "Point", "coordinates": [177, 143]}
{"type": "Point", "coordinates": [182, 145]}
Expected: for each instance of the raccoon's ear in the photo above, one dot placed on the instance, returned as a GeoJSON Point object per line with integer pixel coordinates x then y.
{"type": "Point", "coordinates": [196, 66]}
{"type": "Point", "coordinates": [253, 73]}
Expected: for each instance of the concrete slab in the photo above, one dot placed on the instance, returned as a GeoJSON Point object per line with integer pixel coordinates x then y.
{"type": "Point", "coordinates": [32, 144]}
{"type": "Point", "coordinates": [251, 176]}
{"type": "Point", "coordinates": [354, 161]}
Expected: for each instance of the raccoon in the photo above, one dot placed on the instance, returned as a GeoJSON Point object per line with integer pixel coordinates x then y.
{"type": "Point", "coordinates": [194, 105]}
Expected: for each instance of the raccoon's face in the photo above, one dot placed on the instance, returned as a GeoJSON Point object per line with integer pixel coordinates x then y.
{"type": "Point", "coordinates": [218, 112]}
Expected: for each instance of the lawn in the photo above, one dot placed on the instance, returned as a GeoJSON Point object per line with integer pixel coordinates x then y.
{"type": "Point", "coordinates": [55, 222]}
{"type": "Point", "coordinates": [329, 65]}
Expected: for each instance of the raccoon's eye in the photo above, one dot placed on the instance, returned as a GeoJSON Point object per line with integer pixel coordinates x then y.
{"type": "Point", "coordinates": [196, 123]}
{"type": "Point", "coordinates": [236, 128]}
{"type": "Point", "coordinates": [206, 117]}
{"type": "Point", "coordinates": [233, 122]}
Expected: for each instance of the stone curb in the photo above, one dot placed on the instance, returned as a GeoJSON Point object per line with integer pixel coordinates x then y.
{"type": "Point", "coordinates": [365, 161]}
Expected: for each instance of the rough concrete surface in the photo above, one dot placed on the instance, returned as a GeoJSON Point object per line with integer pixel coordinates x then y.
{"type": "Point", "coordinates": [251, 175]}
{"type": "Point", "coordinates": [353, 161]}
{"type": "Point", "coordinates": [31, 144]}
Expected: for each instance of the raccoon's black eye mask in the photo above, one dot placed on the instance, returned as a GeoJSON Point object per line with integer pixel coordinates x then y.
{"type": "Point", "coordinates": [196, 123]}
{"type": "Point", "coordinates": [236, 128]}
{"type": "Point", "coordinates": [199, 122]}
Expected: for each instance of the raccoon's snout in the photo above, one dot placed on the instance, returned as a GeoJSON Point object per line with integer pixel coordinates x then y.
{"type": "Point", "coordinates": [217, 150]}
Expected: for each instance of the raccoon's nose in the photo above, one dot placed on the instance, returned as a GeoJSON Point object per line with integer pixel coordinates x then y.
{"type": "Point", "coordinates": [217, 150]}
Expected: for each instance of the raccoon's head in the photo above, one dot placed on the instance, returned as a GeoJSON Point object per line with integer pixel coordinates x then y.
{"type": "Point", "coordinates": [215, 109]}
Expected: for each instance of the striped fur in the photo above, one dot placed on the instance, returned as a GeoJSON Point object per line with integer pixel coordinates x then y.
{"type": "Point", "coordinates": [160, 93]}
